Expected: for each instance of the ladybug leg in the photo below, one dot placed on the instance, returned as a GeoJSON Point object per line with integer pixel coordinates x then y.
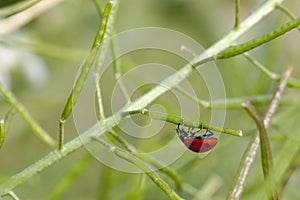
{"type": "Point", "coordinates": [190, 131]}
{"type": "Point", "coordinates": [199, 129]}
{"type": "Point", "coordinates": [182, 122]}
{"type": "Point", "coordinates": [209, 134]}
{"type": "Point", "coordinates": [180, 130]}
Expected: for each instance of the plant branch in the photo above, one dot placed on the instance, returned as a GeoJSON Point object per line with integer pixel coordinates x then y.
{"type": "Point", "coordinates": [140, 103]}
{"type": "Point", "coordinates": [266, 153]}
{"type": "Point", "coordinates": [287, 12]}
{"type": "Point", "coordinates": [22, 111]}
{"type": "Point", "coordinates": [144, 167]}
{"type": "Point", "coordinates": [236, 103]}
{"type": "Point", "coordinates": [177, 120]}
{"type": "Point", "coordinates": [2, 132]}
{"type": "Point", "coordinates": [17, 7]}
{"type": "Point", "coordinates": [103, 32]}
{"type": "Point", "coordinates": [237, 14]}
{"type": "Point", "coordinates": [252, 148]}
{"type": "Point", "coordinates": [148, 159]}
{"type": "Point", "coordinates": [292, 82]}
{"type": "Point", "coordinates": [14, 22]}
{"type": "Point", "coordinates": [251, 44]}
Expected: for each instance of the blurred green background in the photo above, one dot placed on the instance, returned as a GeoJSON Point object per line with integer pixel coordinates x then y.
{"type": "Point", "coordinates": [72, 25]}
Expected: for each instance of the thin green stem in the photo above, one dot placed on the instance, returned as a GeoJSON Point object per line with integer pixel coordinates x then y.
{"type": "Point", "coordinates": [10, 114]}
{"type": "Point", "coordinates": [61, 134]}
{"type": "Point", "coordinates": [13, 195]}
{"type": "Point", "coordinates": [139, 104]}
{"type": "Point", "coordinates": [22, 111]}
{"type": "Point", "coordinates": [14, 22]}
{"type": "Point", "coordinates": [44, 48]}
{"type": "Point", "coordinates": [292, 82]}
{"type": "Point", "coordinates": [177, 120]}
{"type": "Point", "coordinates": [144, 167]}
{"type": "Point", "coordinates": [69, 178]}
{"type": "Point", "coordinates": [251, 44]}
{"type": "Point", "coordinates": [99, 104]}
{"type": "Point", "coordinates": [109, 16]}
{"type": "Point", "coordinates": [48, 160]}
{"type": "Point", "coordinates": [147, 159]}
{"type": "Point", "coordinates": [236, 103]}
{"type": "Point", "coordinates": [266, 153]}
{"type": "Point", "coordinates": [252, 149]}
{"type": "Point", "coordinates": [16, 8]}
{"type": "Point", "coordinates": [86, 66]}
{"type": "Point", "coordinates": [237, 14]}
{"type": "Point", "coordinates": [98, 6]}
{"type": "Point", "coordinates": [287, 12]}
{"type": "Point", "coordinates": [201, 102]}
{"type": "Point", "coordinates": [117, 71]}
{"type": "Point", "coordinates": [2, 132]}
{"type": "Point", "coordinates": [122, 141]}
{"type": "Point", "coordinates": [262, 68]}
{"type": "Point", "coordinates": [4, 124]}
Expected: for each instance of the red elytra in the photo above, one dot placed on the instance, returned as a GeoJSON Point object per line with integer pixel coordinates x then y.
{"type": "Point", "coordinates": [199, 144]}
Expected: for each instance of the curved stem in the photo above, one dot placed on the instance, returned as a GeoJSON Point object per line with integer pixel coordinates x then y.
{"type": "Point", "coordinates": [139, 104]}
{"type": "Point", "coordinates": [252, 148]}
{"type": "Point", "coordinates": [177, 120]}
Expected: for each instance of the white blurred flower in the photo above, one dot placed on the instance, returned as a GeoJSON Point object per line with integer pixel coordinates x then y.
{"type": "Point", "coordinates": [32, 66]}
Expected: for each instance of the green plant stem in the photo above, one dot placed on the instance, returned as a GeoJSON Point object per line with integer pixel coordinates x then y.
{"type": "Point", "coordinates": [111, 16]}
{"type": "Point", "coordinates": [14, 22]}
{"type": "Point", "coordinates": [98, 6]}
{"type": "Point", "coordinates": [48, 160]}
{"type": "Point", "coordinates": [99, 104]}
{"type": "Point", "coordinates": [117, 71]}
{"type": "Point", "coordinates": [69, 178]}
{"type": "Point", "coordinates": [106, 22]}
{"type": "Point", "coordinates": [266, 153]}
{"type": "Point", "coordinates": [144, 167]}
{"type": "Point", "coordinates": [16, 8]}
{"type": "Point", "coordinates": [288, 13]}
{"type": "Point", "coordinates": [21, 110]}
{"type": "Point", "coordinates": [44, 48]}
{"type": "Point", "coordinates": [252, 149]}
{"type": "Point", "coordinates": [251, 44]}
{"type": "Point", "coordinates": [13, 195]}
{"type": "Point", "coordinates": [236, 103]}
{"type": "Point", "coordinates": [292, 82]}
{"type": "Point", "coordinates": [177, 120]}
{"type": "Point", "coordinates": [147, 159]}
{"type": "Point", "coordinates": [204, 103]}
{"type": "Point", "coordinates": [237, 14]}
{"type": "Point", "coordinates": [85, 69]}
{"type": "Point", "coordinates": [140, 103]}
{"type": "Point", "coordinates": [4, 124]}
{"type": "Point", "coordinates": [2, 132]}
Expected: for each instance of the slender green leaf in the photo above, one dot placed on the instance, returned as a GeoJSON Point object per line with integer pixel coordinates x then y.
{"type": "Point", "coordinates": [22, 111]}
{"type": "Point", "coordinates": [247, 46]}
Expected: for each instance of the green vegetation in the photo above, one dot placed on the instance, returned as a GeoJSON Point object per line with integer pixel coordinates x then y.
{"type": "Point", "coordinates": [88, 111]}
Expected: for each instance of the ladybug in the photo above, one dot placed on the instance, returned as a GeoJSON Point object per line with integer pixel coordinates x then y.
{"type": "Point", "coordinates": [196, 143]}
